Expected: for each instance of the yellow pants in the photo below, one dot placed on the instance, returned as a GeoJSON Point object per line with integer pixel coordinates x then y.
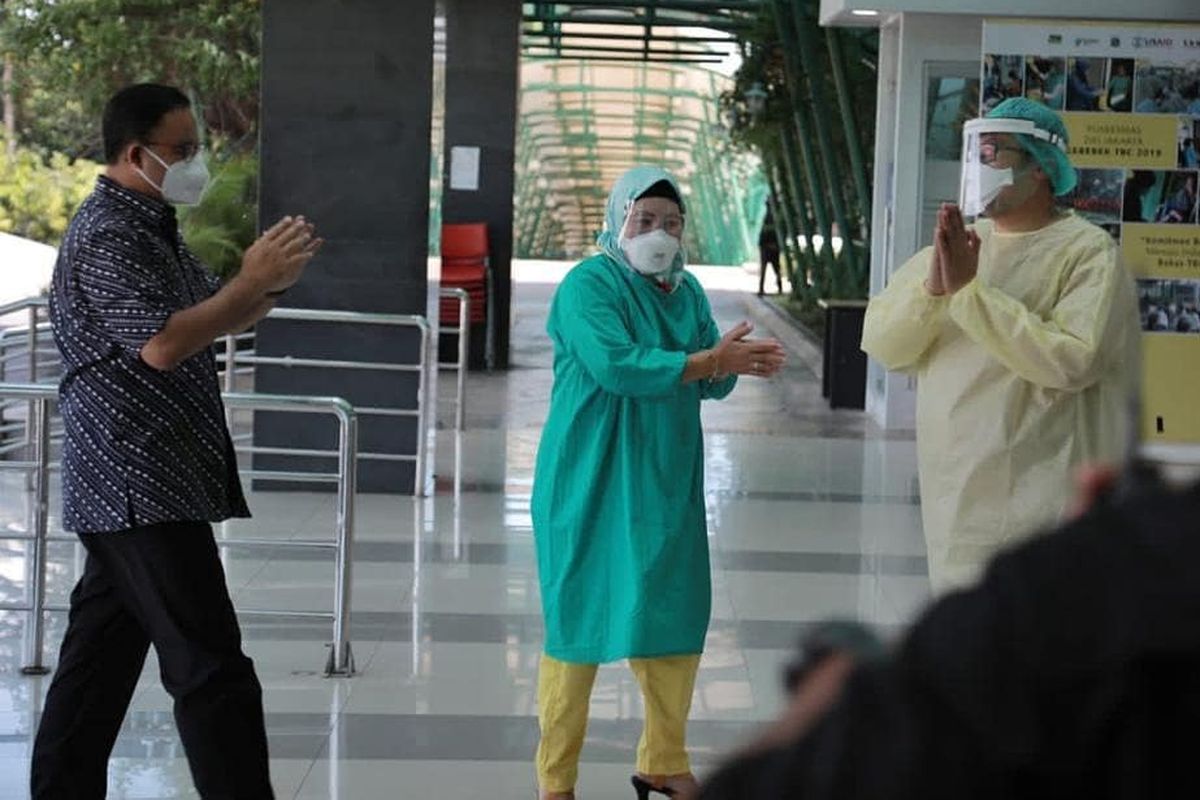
{"type": "Point", "coordinates": [564, 692]}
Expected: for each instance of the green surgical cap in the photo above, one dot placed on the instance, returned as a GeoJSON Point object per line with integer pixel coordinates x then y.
{"type": "Point", "coordinates": [1053, 161]}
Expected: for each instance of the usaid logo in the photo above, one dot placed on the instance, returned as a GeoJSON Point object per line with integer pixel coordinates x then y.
{"type": "Point", "coordinates": [1152, 42]}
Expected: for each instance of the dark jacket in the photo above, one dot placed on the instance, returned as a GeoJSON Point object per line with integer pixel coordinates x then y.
{"type": "Point", "coordinates": [1071, 671]}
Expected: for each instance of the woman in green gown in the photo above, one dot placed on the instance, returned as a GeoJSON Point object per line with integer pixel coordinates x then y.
{"type": "Point", "coordinates": [618, 496]}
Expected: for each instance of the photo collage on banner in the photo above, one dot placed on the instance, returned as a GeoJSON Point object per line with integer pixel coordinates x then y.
{"type": "Point", "coordinates": [1130, 97]}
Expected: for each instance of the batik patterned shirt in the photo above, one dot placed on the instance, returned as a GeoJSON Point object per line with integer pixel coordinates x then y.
{"type": "Point", "coordinates": [142, 446]}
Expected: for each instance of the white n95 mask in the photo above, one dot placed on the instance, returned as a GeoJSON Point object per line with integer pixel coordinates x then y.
{"type": "Point", "coordinates": [651, 253]}
{"type": "Point", "coordinates": [184, 182]}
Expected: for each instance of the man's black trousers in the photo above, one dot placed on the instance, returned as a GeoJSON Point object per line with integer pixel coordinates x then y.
{"type": "Point", "coordinates": [161, 585]}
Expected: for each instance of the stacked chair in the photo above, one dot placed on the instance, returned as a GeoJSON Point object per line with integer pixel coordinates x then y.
{"type": "Point", "coordinates": [465, 266]}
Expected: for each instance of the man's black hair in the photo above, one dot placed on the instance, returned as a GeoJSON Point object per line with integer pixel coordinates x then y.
{"type": "Point", "coordinates": [134, 111]}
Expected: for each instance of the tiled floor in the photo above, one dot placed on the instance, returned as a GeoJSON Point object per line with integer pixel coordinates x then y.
{"type": "Point", "coordinates": [812, 514]}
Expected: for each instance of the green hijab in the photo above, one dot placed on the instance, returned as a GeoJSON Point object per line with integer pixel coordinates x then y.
{"type": "Point", "coordinates": [627, 189]}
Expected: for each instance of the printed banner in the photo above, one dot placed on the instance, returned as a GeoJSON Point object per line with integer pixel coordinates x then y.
{"type": "Point", "coordinates": [1129, 94]}
{"type": "Point", "coordinates": [1142, 141]}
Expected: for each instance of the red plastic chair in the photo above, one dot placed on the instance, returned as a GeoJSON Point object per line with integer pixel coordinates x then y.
{"type": "Point", "coordinates": [465, 241]}
{"type": "Point", "coordinates": [465, 265]}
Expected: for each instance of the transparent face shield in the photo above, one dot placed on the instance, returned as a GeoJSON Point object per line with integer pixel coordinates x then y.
{"type": "Point", "coordinates": [992, 158]}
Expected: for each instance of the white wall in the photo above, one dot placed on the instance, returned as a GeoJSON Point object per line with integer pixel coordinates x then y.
{"type": "Point", "coordinates": [839, 11]}
{"type": "Point", "coordinates": [908, 44]}
{"type": "Point", "coordinates": [882, 215]}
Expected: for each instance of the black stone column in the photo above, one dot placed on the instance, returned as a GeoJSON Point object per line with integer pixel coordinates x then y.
{"type": "Point", "coordinates": [482, 75]}
{"type": "Point", "coordinates": [346, 106]}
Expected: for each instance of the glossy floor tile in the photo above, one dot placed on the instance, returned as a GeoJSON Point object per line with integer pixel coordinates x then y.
{"type": "Point", "coordinates": [812, 514]}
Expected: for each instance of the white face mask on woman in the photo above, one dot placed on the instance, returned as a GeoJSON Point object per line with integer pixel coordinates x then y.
{"type": "Point", "coordinates": [184, 182]}
{"type": "Point", "coordinates": [651, 253]}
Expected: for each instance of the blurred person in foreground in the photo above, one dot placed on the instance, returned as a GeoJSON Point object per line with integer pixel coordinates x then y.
{"type": "Point", "coordinates": [1071, 670]}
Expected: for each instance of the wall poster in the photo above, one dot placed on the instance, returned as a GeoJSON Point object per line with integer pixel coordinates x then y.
{"type": "Point", "coordinates": [1129, 94]}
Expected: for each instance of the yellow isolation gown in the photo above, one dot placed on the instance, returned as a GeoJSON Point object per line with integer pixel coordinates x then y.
{"type": "Point", "coordinates": [1023, 375]}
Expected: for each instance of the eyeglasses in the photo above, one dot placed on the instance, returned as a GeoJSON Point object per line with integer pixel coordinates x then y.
{"type": "Point", "coordinates": [990, 153]}
{"type": "Point", "coordinates": [645, 221]}
{"type": "Point", "coordinates": [186, 151]}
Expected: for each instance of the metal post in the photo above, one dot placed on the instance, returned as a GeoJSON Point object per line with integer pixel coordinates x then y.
{"type": "Point", "coordinates": [464, 321]}
{"type": "Point", "coordinates": [230, 385]}
{"type": "Point", "coordinates": [457, 494]}
{"type": "Point", "coordinates": [32, 340]}
{"type": "Point", "coordinates": [33, 344]}
{"type": "Point", "coordinates": [230, 362]}
{"type": "Point", "coordinates": [422, 412]}
{"type": "Point", "coordinates": [3, 379]}
{"type": "Point", "coordinates": [422, 367]}
{"type": "Point", "coordinates": [35, 639]}
{"type": "Point", "coordinates": [341, 659]}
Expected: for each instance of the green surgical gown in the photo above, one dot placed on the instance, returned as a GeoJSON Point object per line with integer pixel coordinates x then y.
{"type": "Point", "coordinates": [618, 495]}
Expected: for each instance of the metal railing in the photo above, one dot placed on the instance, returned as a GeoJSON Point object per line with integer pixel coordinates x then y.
{"type": "Point", "coordinates": [463, 331]}
{"type": "Point", "coordinates": [341, 658]}
{"type": "Point", "coordinates": [39, 398]}
{"type": "Point", "coordinates": [22, 343]}
{"type": "Point", "coordinates": [232, 358]}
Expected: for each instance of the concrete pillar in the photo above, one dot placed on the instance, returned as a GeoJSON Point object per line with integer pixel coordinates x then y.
{"type": "Point", "coordinates": [346, 106]}
{"type": "Point", "coordinates": [482, 76]}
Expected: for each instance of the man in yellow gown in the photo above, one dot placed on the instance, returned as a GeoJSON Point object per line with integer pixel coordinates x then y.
{"type": "Point", "coordinates": [1022, 330]}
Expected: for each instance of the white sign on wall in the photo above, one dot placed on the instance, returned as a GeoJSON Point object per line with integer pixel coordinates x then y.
{"type": "Point", "coordinates": [464, 168]}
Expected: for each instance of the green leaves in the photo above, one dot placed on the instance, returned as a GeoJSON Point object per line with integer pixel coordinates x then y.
{"type": "Point", "coordinates": [38, 197]}
{"type": "Point", "coordinates": [818, 169]}
{"type": "Point", "coordinates": [225, 223]}
{"type": "Point", "coordinates": [71, 55]}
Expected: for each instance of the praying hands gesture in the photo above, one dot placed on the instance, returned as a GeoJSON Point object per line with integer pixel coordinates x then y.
{"type": "Point", "coordinates": [955, 253]}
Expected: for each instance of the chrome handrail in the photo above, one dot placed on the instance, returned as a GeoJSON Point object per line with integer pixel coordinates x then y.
{"type": "Point", "coordinates": [341, 658]}
{"type": "Point", "coordinates": [235, 363]}
{"type": "Point", "coordinates": [32, 306]}
{"type": "Point", "coordinates": [39, 301]}
{"type": "Point", "coordinates": [232, 360]}
{"type": "Point", "coordinates": [463, 331]}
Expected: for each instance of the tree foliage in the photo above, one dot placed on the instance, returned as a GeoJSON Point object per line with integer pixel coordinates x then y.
{"type": "Point", "coordinates": [224, 224]}
{"type": "Point", "coordinates": [38, 195]}
{"type": "Point", "coordinates": [71, 55]}
{"type": "Point", "coordinates": [765, 65]}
